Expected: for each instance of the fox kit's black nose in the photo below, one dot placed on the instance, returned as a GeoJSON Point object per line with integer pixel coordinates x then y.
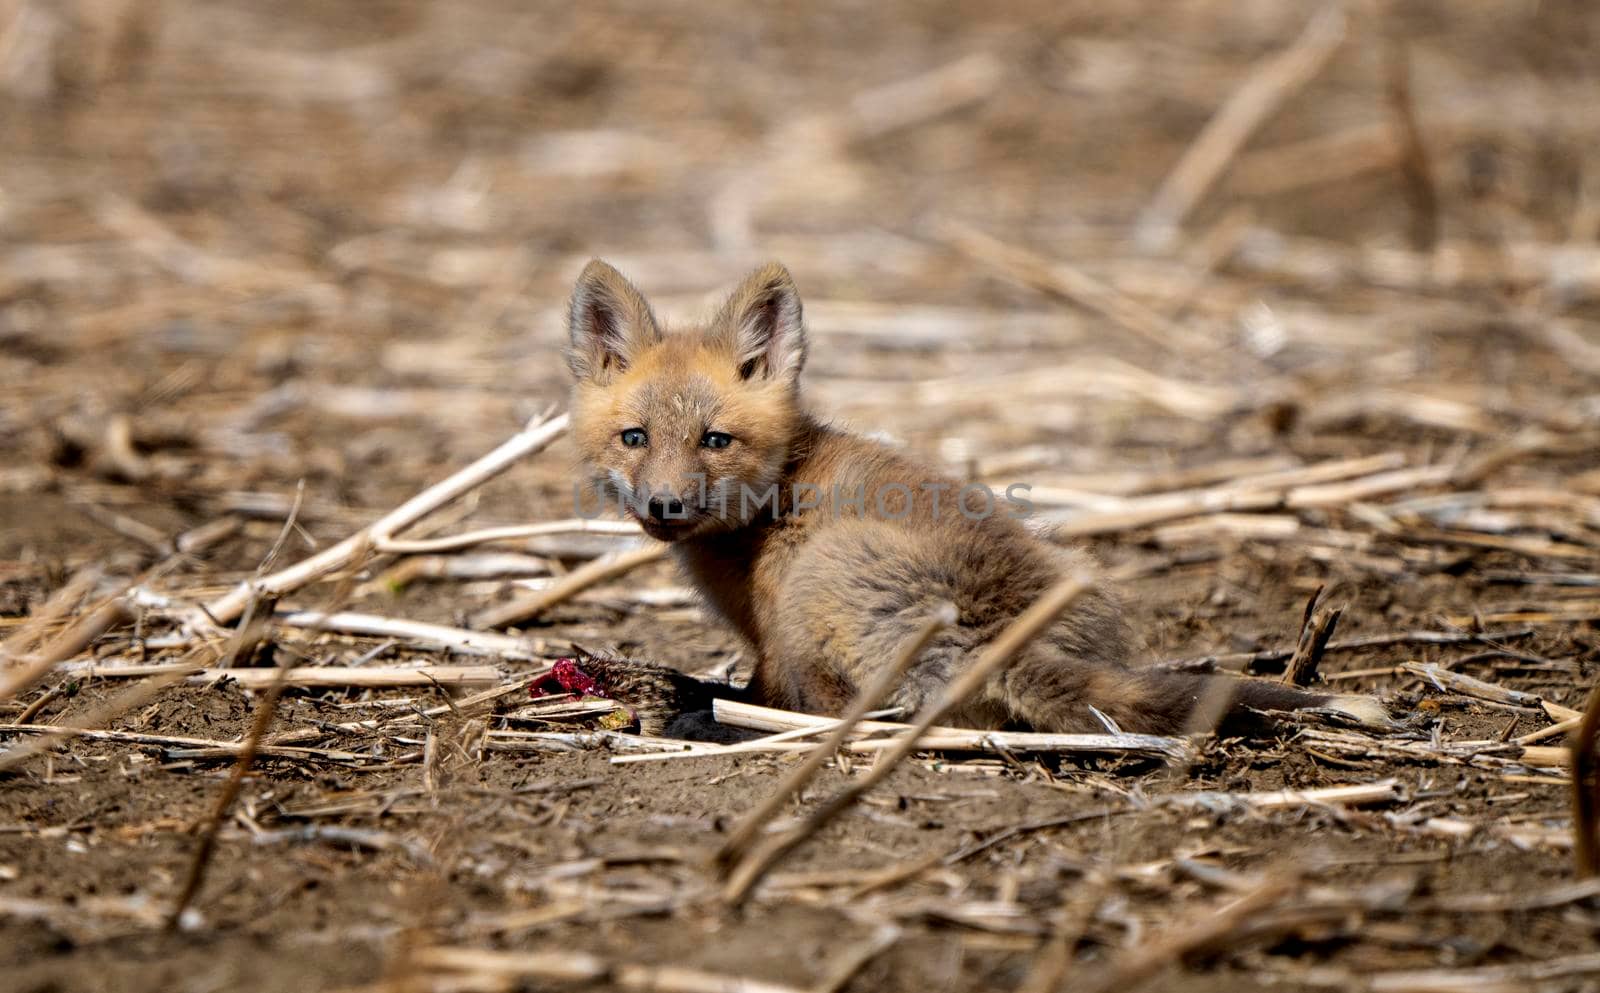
{"type": "Point", "coordinates": [663, 508]}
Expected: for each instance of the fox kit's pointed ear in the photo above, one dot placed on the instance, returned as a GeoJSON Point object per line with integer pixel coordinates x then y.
{"type": "Point", "coordinates": [762, 322]}
{"type": "Point", "coordinates": [608, 323]}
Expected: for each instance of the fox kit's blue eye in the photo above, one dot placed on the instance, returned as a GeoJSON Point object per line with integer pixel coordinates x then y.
{"type": "Point", "coordinates": [716, 439]}
{"type": "Point", "coordinates": [635, 438]}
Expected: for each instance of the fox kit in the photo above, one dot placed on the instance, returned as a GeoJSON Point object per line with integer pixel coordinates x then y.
{"type": "Point", "coordinates": [826, 550]}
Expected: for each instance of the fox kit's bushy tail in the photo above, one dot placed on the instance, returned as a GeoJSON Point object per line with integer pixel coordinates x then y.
{"type": "Point", "coordinates": [1046, 692]}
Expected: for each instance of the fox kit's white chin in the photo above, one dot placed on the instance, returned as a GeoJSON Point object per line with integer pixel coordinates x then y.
{"type": "Point", "coordinates": [669, 530]}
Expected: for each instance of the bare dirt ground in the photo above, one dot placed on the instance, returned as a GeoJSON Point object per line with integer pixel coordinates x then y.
{"type": "Point", "coordinates": [295, 262]}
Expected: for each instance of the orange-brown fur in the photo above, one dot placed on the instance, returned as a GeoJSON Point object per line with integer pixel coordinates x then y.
{"type": "Point", "coordinates": [827, 594]}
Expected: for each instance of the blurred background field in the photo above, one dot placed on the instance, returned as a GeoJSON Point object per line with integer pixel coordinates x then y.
{"type": "Point", "coordinates": [262, 261]}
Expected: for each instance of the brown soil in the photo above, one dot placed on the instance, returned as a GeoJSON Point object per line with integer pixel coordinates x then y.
{"type": "Point", "coordinates": [329, 245]}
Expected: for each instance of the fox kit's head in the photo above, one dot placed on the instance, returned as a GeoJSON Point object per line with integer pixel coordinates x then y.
{"type": "Point", "coordinates": [688, 430]}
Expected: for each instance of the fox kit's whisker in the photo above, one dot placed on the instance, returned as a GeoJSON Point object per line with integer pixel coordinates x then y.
{"type": "Point", "coordinates": [826, 550]}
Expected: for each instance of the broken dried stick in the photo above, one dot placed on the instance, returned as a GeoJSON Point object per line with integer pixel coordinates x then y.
{"type": "Point", "coordinates": [461, 640]}
{"type": "Point", "coordinates": [1138, 512]}
{"type": "Point", "coordinates": [266, 708]}
{"type": "Point", "coordinates": [1383, 791]}
{"type": "Point", "coordinates": [568, 586]}
{"type": "Point", "coordinates": [937, 738]}
{"type": "Point", "coordinates": [564, 967]}
{"type": "Point", "coordinates": [1553, 731]}
{"type": "Point", "coordinates": [533, 438]}
{"type": "Point", "coordinates": [1516, 977]}
{"type": "Point", "coordinates": [121, 703]}
{"type": "Point", "coordinates": [1316, 628]}
{"type": "Point", "coordinates": [318, 675]}
{"type": "Point", "coordinates": [354, 677]}
{"type": "Point", "coordinates": [1586, 790]}
{"type": "Point", "coordinates": [65, 645]}
{"type": "Point", "coordinates": [511, 532]}
{"type": "Point", "coordinates": [1214, 926]}
{"type": "Point", "coordinates": [1416, 170]}
{"type": "Point", "coordinates": [61, 603]}
{"type": "Point", "coordinates": [1076, 287]}
{"type": "Point", "coordinates": [1444, 679]}
{"type": "Point", "coordinates": [769, 743]}
{"type": "Point", "coordinates": [1268, 87]}
{"type": "Point", "coordinates": [50, 733]}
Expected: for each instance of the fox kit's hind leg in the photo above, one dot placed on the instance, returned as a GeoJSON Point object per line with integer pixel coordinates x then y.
{"type": "Point", "coordinates": [848, 650]}
{"type": "Point", "coordinates": [855, 596]}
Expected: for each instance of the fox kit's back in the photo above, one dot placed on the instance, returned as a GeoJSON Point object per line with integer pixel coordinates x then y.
{"type": "Point", "coordinates": [827, 550]}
